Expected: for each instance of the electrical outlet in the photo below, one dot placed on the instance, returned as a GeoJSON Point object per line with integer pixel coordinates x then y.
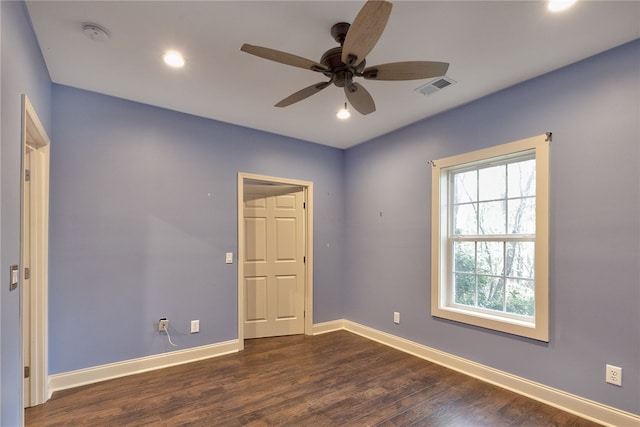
{"type": "Point", "coordinates": [396, 317]}
{"type": "Point", "coordinates": [614, 375]}
{"type": "Point", "coordinates": [163, 324]}
{"type": "Point", "coordinates": [195, 326]}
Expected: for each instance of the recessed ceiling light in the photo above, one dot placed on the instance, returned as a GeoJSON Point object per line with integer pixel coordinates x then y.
{"type": "Point", "coordinates": [174, 59]}
{"type": "Point", "coordinates": [559, 5]}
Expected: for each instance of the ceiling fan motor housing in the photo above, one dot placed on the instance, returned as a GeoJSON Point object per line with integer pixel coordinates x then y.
{"type": "Point", "coordinates": [341, 73]}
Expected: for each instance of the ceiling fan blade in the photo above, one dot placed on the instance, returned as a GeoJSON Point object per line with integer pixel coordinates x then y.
{"type": "Point", "coordinates": [283, 57]}
{"type": "Point", "coordinates": [303, 94]}
{"type": "Point", "coordinates": [365, 31]}
{"type": "Point", "coordinates": [410, 70]}
{"type": "Point", "coordinates": [360, 99]}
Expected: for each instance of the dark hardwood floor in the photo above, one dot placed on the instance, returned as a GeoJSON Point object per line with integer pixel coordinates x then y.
{"type": "Point", "coordinates": [335, 379]}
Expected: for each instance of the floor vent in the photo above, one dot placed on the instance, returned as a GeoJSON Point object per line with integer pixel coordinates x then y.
{"type": "Point", "coordinates": [435, 85]}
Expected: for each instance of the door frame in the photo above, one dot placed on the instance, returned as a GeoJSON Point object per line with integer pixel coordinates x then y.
{"type": "Point", "coordinates": [35, 137]}
{"type": "Point", "coordinates": [308, 266]}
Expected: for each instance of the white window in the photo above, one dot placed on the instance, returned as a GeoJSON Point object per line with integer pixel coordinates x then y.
{"type": "Point", "coordinates": [490, 238]}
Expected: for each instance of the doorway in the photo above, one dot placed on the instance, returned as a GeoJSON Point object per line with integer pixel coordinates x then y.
{"type": "Point", "coordinates": [34, 246]}
{"type": "Point", "coordinates": [275, 262]}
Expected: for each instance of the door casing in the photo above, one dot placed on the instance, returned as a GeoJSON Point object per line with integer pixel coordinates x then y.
{"type": "Point", "coordinates": [308, 302]}
{"type": "Point", "coordinates": [34, 138]}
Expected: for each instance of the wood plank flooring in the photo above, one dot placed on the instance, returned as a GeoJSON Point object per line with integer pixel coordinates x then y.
{"type": "Point", "coordinates": [335, 379]}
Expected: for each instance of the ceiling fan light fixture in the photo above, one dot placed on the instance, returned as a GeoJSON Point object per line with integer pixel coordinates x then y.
{"type": "Point", "coordinates": [173, 58]}
{"type": "Point", "coordinates": [343, 113]}
{"type": "Point", "coordinates": [559, 5]}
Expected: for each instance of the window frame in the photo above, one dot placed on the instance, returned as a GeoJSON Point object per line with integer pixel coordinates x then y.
{"type": "Point", "coordinates": [442, 304]}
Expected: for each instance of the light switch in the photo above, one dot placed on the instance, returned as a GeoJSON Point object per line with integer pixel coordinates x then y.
{"type": "Point", "coordinates": [195, 326]}
{"type": "Point", "coordinates": [13, 280]}
{"type": "Point", "coordinates": [229, 258]}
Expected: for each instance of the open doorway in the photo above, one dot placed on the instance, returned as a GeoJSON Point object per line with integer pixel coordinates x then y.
{"type": "Point", "coordinates": [34, 247]}
{"type": "Point", "coordinates": [275, 256]}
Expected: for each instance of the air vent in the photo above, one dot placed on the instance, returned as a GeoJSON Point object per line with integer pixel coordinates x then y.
{"type": "Point", "coordinates": [435, 85]}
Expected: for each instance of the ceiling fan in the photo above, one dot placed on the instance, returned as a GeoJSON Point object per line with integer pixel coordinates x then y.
{"type": "Point", "coordinates": [342, 64]}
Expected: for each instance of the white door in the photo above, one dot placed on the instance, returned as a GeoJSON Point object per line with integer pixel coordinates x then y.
{"type": "Point", "coordinates": [274, 256]}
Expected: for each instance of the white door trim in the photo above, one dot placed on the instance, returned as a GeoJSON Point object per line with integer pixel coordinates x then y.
{"type": "Point", "coordinates": [35, 137]}
{"type": "Point", "coordinates": [308, 187]}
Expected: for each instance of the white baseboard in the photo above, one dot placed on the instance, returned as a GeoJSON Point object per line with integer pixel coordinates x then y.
{"type": "Point", "coordinates": [323, 328]}
{"type": "Point", "coordinates": [135, 366]}
{"type": "Point", "coordinates": [577, 405]}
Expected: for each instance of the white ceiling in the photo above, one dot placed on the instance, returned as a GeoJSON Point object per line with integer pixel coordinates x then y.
{"type": "Point", "coordinates": [490, 45]}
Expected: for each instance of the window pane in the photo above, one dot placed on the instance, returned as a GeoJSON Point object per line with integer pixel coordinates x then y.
{"type": "Point", "coordinates": [522, 178]}
{"type": "Point", "coordinates": [492, 218]}
{"type": "Point", "coordinates": [464, 221]}
{"type": "Point", "coordinates": [464, 254]}
{"type": "Point", "coordinates": [491, 258]}
{"type": "Point", "coordinates": [493, 183]}
{"type": "Point", "coordinates": [522, 216]}
{"type": "Point", "coordinates": [490, 292]}
{"type": "Point", "coordinates": [465, 187]}
{"type": "Point", "coordinates": [520, 260]}
{"type": "Point", "coordinates": [520, 297]}
{"type": "Point", "coordinates": [465, 289]}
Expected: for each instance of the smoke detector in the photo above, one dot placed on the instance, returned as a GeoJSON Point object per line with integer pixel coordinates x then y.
{"type": "Point", "coordinates": [95, 32]}
{"type": "Point", "coordinates": [435, 85]}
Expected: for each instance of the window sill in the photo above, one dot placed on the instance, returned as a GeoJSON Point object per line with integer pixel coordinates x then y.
{"type": "Point", "coordinates": [494, 322]}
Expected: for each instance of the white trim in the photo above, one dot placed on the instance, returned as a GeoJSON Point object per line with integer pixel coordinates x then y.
{"type": "Point", "coordinates": [585, 408]}
{"type": "Point", "coordinates": [326, 327]}
{"type": "Point", "coordinates": [35, 137]}
{"type": "Point", "coordinates": [308, 186]}
{"type": "Point", "coordinates": [538, 329]}
{"type": "Point", "coordinates": [143, 364]}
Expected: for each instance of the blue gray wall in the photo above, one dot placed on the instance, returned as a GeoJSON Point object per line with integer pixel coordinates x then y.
{"type": "Point", "coordinates": [22, 71]}
{"type": "Point", "coordinates": [592, 108]}
{"type": "Point", "coordinates": [135, 236]}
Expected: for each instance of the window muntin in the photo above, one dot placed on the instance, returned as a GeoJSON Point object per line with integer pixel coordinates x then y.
{"type": "Point", "coordinates": [490, 238]}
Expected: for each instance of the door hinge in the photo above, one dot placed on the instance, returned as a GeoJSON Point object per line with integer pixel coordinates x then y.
{"type": "Point", "coordinates": [27, 371]}
{"type": "Point", "coordinates": [27, 175]}
{"type": "Point", "coordinates": [304, 205]}
{"type": "Point", "coordinates": [304, 259]}
{"type": "Point", "coordinates": [27, 273]}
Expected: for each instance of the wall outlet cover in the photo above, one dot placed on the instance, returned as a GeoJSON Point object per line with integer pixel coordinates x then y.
{"type": "Point", "coordinates": [614, 375]}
